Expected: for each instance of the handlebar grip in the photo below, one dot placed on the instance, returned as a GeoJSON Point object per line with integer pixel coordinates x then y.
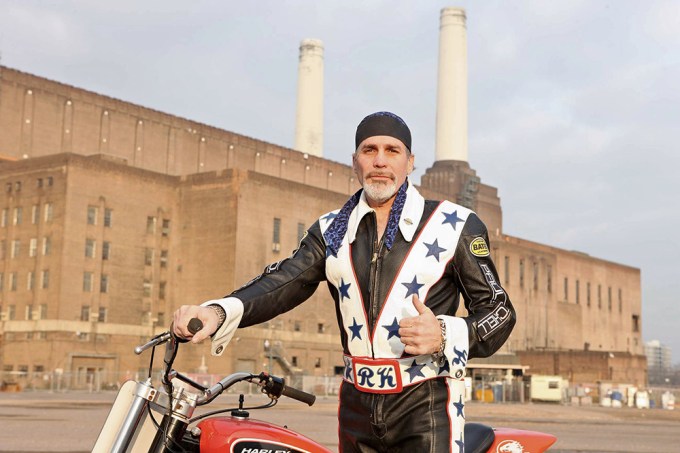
{"type": "Point", "coordinates": [194, 325]}
{"type": "Point", "coordinates": [299, 395]}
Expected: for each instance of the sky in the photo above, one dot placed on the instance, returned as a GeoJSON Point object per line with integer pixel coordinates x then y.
{"type": "Point", "coordinates": [574, 105]}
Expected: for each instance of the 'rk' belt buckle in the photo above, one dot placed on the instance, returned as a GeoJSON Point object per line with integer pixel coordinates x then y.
{"type": "Point", "coordinates": [377, 375]}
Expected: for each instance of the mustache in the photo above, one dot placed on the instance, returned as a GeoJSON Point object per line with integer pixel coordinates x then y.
{"type": "Point", "coordinates": [380, 174]}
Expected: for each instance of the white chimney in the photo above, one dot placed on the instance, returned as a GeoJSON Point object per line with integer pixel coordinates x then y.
{"type": "Point", "coordinates": [309, 114]}
{"type": "Point", "coordinates": [452, 123]}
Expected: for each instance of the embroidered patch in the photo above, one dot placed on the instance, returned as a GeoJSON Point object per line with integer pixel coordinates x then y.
{"type": "Point", "coordinates": [479, 248]}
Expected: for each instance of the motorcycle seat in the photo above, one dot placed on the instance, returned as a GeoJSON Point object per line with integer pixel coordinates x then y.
{"type": "Point", "coordinates": [478, 438]}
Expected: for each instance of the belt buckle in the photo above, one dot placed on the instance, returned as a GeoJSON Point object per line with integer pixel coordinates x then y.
{"type": "Point", "coordinates": [377, 375]}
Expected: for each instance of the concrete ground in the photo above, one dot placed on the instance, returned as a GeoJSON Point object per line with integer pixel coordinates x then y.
{"type": "Point", "coordinates": [70, 422]}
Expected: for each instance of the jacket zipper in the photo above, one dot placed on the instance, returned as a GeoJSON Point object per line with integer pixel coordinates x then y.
{"type": "Point", "coordinates": [376, 265]}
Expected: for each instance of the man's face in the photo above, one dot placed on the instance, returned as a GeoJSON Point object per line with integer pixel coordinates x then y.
{"type": "Point", "coordinates": [382, 164]}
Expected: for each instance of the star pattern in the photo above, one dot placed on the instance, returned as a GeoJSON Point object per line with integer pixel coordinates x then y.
{"type": "Point", "coordinates": [330, 216]}
{"type": "Point", "coordinates": [445, 367]}
{"type": "Point", "coordinates": [356, 329]}
{"type": "Point", "coordinates": [344, 290]}
{"type": "Point", "coordinates": [393, 329]}
{"type": "Point", "coordinates": [413, 287]}
{"type": "Point", "coordinates": [461, 444]}
{"type": "Point", "coordinates": [434, 249]}
{"type": "Point", "coordinates": [415, 370]}
{"type": "Point", "coordinates": [459, 407]}
{"type": "Point", "coordinates": [452, 219]}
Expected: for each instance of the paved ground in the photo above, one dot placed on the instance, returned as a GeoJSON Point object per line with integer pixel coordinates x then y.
{"type": "Point", "coordinates": [70, 422]}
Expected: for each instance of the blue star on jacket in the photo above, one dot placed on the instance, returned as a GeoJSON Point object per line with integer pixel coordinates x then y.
{"type": "Point", "coordinates": [415, 370]}
{"type": "Point", "coordinates": [461, 444]}
{"type": "Point", "coordinates": [393, 329]}
{"type": "Point", "coordinates": [434, 249]}
{"type": "Point", "coordinates": [356, 329]}
{"type": "Point", "coordinates": [444, 367]}
{"type": "Point", "coordinates": [452, 219]}
{"type": "Point", "coordinates": [330, 216]}
{"type": "Point", "coordinates": [413, 287]}
{"type": "Point", "coordinates": [344, 290]}
{"type": "Point", "coordinates": [459, 407]}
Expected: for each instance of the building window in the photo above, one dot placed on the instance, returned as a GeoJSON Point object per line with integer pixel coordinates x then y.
{"type": "Point", "coordinates": [13, 281]}
{"type": "Point", "coordinates": [609, 298]}
{"type": "Point", "coordinates": [599, 296]}
{"type": "Point", "coordinates": [161, 290]}
{"type": "Point", "coordinates": [276, 235]}
{"type": "Point", "coordinates": [50, 181]}
{"type": "Point", "coordinates": [294, 360]}
{"type": "Point", "coordinates": [92, 215]}
{"type": "Point", "coordinates": [48, 212]}
{"type": "Point", "coordinates": [90, 248]}
{"type": "Point", "coordinates": [320, 328]}
{"type": "Point", "coordinates": [150, 225]}
{"type": "Point", "coordinates": [18, 214]}
{"type": "Point", "coordinates": [45, 279]}
{"type": "Point", "coordinates": [535, 266]}
{"type": "Point", "coordinates": [300, 232]}
{"type": "Point", "coordinates": [16, 248]}
{"type": "Point", "coordinates": [29, 312]}
{"type": "Point", "coordinates": [17, 186]}
{"type": "Point", "coordinates": [549, 279]}
{"type": "Point", "coordinates": [164, 258]}
{"type": "Point", "coordinates": [577, 292]}
{"type": "Point", "coordinates": [30, 281]}
{"type": "Point", "coordinates": [33, 247]}
{"type": "Point", "coordinates": [566, 289]}
{"type": "Point", "coordinates": [104, 284]}
{"type": "Point", "coordinates": [636, 323]}
{"type": "Point", "coordinates": [620, 301]}
{"type": "Point", "coordinates": [107, 217]}
{"type": "Point", "coordinates": [297, 325]}
{"type": "Point", "coordinates": [3, 218]}
{"type": "Point", "coordinates": [87, 282]}
{"type": "Point", "coordinates": [165, 230]}
{"type": "Point", "coordinates": [317, 362]}
{"type": "Point", "coordinates": [506, 270]}
{"type": "Point", "coordinates": [102, 314]}
{"type": "Point", "coordinates": [46, 245]}
{"type": "Point", "coordinates": [106, 250]}
{"type": "Point", "coordinates": [521, 273]}
{"type": "Point", "coordinates": [588, 294]}
{"type": "Point", "coordinates": [42, 313]}
{"type": "Point", "coordinates": [35, 214]}
{"type": "Point", "coordinates": [85, 313]}
{"type": "Point", "coordinates": [8, 187]}
{"type": "Point", "coordinates": [2, 283]}
{"type": "Point", "coordinates": [146, 288]}
{"type": "Point", "coordinates": [148, 256]}
{"type": "Point", "coordinates": [39, 183]}
{"type": "Point", "coordinates": [11, 312]}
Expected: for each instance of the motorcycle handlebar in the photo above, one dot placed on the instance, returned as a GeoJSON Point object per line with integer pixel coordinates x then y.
{"type": "Point", "coordinates": [299, 395]}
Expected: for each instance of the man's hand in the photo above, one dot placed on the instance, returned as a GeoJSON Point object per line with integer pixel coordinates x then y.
{"type": "Point", "coordinates": [421, 334]}
{"type": "Point", "coordinates": [185, 313]}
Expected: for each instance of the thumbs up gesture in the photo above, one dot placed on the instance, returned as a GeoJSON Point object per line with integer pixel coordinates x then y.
{"type": "Point", "coordinates": [420, 334]}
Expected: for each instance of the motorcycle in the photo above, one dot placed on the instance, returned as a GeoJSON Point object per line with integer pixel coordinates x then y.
{"type": "Point", "coordinates": [156, 418]}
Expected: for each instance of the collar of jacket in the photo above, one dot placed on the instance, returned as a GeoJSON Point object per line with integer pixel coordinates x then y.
{"type": "Point", "coordinates": [408, 221]}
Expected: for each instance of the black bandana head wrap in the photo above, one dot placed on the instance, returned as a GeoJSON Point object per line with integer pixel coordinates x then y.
{"type": "Point", "coordinates": [383, 123]}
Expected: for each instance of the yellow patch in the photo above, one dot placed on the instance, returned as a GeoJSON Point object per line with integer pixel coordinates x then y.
{"type": "Point", "coordinates": [479, 248]}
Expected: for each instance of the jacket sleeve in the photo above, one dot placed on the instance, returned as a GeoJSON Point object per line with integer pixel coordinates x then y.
{"type": "Point", "coordinates": [285, 284]}
{"type": "Point", "coordinates": [491, 316]}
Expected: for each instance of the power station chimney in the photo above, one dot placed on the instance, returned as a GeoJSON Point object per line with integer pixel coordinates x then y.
{"type": "Point", "coordinates": [452, 123]}
{"type": "Point", "coordinates": [309, 114]}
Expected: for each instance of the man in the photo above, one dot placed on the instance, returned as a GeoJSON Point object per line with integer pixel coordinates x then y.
{"type": "Point", "coordinates": [395, 265]}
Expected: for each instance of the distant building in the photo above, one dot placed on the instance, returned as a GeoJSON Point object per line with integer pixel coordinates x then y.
{"type": "Point", "coordinates": [659, 364]}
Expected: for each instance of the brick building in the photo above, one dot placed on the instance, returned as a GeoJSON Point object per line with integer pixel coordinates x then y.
{"type": "Point", "coordinates": [113, 215]}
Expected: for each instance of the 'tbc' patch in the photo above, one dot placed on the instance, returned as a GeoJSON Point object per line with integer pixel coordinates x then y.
{"type": "Point", "coordinates": [479, 248]}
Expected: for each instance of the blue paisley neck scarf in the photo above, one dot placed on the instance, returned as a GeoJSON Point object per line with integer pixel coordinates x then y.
{"type": "Point", "coordinates": [338, 228]}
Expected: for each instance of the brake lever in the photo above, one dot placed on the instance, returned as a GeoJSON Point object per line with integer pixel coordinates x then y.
{"type": "Point", "coordinates": [155, 341]}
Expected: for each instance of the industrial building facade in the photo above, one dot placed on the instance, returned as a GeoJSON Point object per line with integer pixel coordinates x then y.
{"type": "Point", "coordinates": [112, 215]}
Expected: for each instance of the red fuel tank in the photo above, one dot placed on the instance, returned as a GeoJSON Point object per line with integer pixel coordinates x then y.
{"type": "Point", "coordinates": [235, 435]}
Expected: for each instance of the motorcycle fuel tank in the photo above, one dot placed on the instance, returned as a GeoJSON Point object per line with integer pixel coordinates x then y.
{"type": "Point", "coordinates": [234, 435]}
